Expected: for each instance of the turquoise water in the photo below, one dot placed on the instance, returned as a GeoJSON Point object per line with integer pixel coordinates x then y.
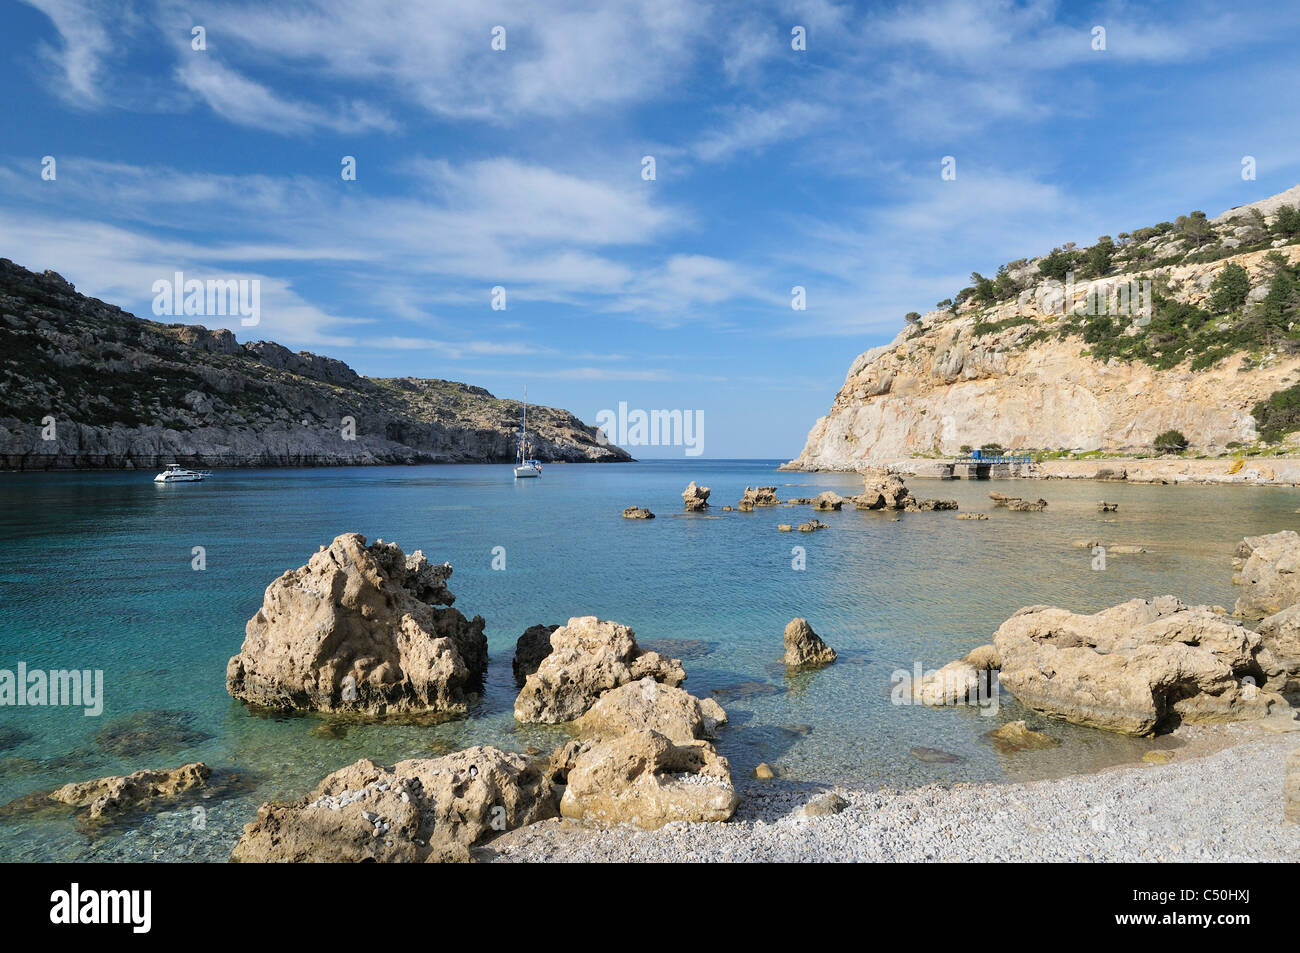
{"type": "Point", "coordinates": [96, 574]}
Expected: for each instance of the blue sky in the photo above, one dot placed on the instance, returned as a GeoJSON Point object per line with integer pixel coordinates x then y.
{"type": "Point", "coordinates": [522, 168]}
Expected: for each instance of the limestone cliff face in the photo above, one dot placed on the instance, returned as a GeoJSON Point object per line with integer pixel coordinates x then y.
{"type": "Point", "coordinates": [958, 379]}
{"type": "Point", "coordinates": [125, 392]}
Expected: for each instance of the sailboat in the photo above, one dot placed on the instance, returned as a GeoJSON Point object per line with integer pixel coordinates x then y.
{"type": "Point", "coordinates": [525, 467]}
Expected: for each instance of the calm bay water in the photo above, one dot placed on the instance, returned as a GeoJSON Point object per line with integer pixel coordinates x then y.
{"type": "Point", "coordinates": [95, 573]}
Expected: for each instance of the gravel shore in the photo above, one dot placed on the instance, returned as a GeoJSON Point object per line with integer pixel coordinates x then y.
{"type": "Point", "coordinates": [1223, 806]}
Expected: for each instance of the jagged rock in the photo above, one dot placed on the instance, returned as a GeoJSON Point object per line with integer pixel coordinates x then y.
{"type": "Point", "coordinates": [812, 526]}
{"type": "Point", "coordinates": [1291, 788]}
{"type": "Point", "coordinates": [1026, 506]}
{"type": "Point", "coordinates": [882, 490]}
{"type": "Point", "coordinates": [430, 809]}
{"type": "Point", "coordinates": [114, 796]}
{"type": "Point", "coordinates": [758, 496]}
{"type": "Point", "coordinates": [530, 648]}
{"type": "Point", "coordinates": [643, 778]}
{"type": "Point", "coordinates": [1001, 499]}
{"type": "Point", "coordinates": [784, 527]}
{"type": "Point", "coordinates": [972, 516]}
{"type": "Point", "coordinates": [1270, 574]}
{"type": "Point", "coordinates": [1016, 736]}
{"type": "Point", "coordinates": [588, 657]}
{"type": "Point", "coordinates": [828, 502]}
{"type": "Point", "coordinates": [764, 772]}
{"type": "Point", "coordinates": [804, 648]}
{"type": "Point", "coordinates": [637, 513]}
{"type": "Point", "coordinates": [355, 630]}
{"type": "Point", "coordinates": [1136, 667]}
{"type": "Point", "coordinates": [648, 705]}
{"type": "Point", "coordinates": [1104, 507]}
{"type": "Point", "coordinates": [695, 498]}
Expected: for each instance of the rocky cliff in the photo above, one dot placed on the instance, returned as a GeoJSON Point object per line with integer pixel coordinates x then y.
{"type": "Point", "coordinates": [126, 392]}
{"type": "Point", "coordinates": [1052, 355]}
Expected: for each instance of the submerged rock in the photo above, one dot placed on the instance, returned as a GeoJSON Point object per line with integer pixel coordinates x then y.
{"type": "Point", "coordinates": [972, 516]}
{"type": "Point", "coordinates": [356, 629]}
{"type": "Point", "coordinates": [588, 657]}
{"type": "Point", "coordinates": [695, 498]}
{"type": "Point", "coordinates": [1026, 506]}
{"type": "Point", "coordinates": [644, 778]}
{"type": "Point", "coordinates": [1135, 667]}
{"type": "Point", "coordinates": [429, 809]}
{"type": "Point", "coordinates": [530, 648]}
{"type": "Point", "coordinates": [157, 731]}
{"type": "Point", "coordinates": [1104, 507]}
{"type": "Point", "coordinates": [1016, 736]}
{"type": "Point", "coordinates": [804, 648]}
{"type": "Point", "coordinates": [935, 756]}
{"type": "Point", "coordinates": [112, 797]}
{"type": "Point", "coordinates": [1270, 574]}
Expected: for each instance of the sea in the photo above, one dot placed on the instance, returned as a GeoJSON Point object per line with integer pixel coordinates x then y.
{"type": "Point", "coordinates": [152, 585]}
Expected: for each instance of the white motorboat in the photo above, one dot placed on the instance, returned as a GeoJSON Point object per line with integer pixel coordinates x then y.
{"type": "Point", "coordinates": [175, 473]}
{"type": "Point", "coordinates": [525, 466]}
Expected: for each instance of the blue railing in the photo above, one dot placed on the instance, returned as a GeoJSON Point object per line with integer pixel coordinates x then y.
{"type": "Point", "coordinates": [984, 457]}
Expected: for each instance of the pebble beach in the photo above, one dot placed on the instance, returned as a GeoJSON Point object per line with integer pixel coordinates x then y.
{"type": "Point", "coordinates": [1219, 800]}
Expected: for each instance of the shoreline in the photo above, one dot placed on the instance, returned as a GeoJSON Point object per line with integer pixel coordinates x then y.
{"type": "Point", "coordinates": [1255, 471]}
{"type": "Point", "coordinates": [1221, 799]}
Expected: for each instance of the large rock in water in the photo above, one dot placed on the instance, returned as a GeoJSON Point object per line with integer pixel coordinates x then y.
{"type": "Point", "coordinates": [112, 797]}
{"type": "Point", "coordinates": [589, 656]}
{"type": "Point", "coordinates": [804, 648]}
{"type": "Point", "coordinates": [1135, 667]}
{"type": "Point", "coordinates": [695, 498]}
{"type": "Point", "coordinates": [356, 629]}
{"type": "Point", "coordinates": [430, 809]}
{"type": "Point", "coordinates": [646, 779]}
{"type": "Point", "coordinates": [1270, 574]}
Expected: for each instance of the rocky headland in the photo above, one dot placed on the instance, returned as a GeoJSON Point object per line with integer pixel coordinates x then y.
{"type": "Point", "coordinates": [1010, 362]}
{"type": "Point", "coordinates": [88, 385]}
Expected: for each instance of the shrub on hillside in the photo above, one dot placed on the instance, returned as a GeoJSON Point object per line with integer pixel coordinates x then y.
{"type": "Point", "coordinates": [1171, 441]}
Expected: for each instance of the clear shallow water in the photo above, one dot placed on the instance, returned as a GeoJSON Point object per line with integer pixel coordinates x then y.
{"type": "Point", "coordinates": [95, 572]}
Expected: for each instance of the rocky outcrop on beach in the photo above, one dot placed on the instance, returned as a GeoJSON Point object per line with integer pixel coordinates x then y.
{"type": "Point", "coordinates": [530, 648]}
{"type": "Point", "coordinates": [1008, 363]}
{"type": "Point", "coordinates": [1280, 633]}
{"type": "Point", "coordinates": [588, 657]}
{"type": "Point", "coordinates": [1136, 667]}
{"type": "Point", "coordinates": [130, 393]}
{"type": "Point", "coordinates": [112, 797]}
{"type": "Point", "coordinates": [430, 809]}
{"type": "Point", "coordinates": [646, 779]}
{"type": "Point", "coordinates": [804, 648]}
{"type": "Point", "coordinates": [1270, 573]}
{"type": "Point", "coordinates": [695, 498]}
{"type": "Point", "coordinates": [359, 629]}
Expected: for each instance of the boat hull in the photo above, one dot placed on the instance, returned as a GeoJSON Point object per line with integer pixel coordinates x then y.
{"type": "Point", "coordinates": [526, 473]}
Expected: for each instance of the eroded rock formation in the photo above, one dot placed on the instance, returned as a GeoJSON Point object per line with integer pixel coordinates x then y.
{"type": "Point", "coordinates": [358, 629]}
